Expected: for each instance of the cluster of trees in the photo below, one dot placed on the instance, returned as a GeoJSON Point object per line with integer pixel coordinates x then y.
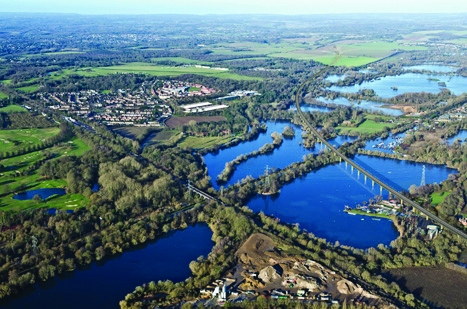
{"type": "Point", "coordinates": [20, 120]}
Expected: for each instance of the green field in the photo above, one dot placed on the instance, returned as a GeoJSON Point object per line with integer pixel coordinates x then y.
{"type": "Point", "coordinates": [181, 60]}
{"type": "Point", "coordinates": [157, 70]}
{"type": "Point", "coordinates": [359, 53]}
{"type": "Point", "coordinates": [11, 178]}
{"type": "Point", "coordinates": [64, 202]}
{"type": "Point", "coordinates": [352, 53]}
{"type": "Point", "coordinates": [345, 61]}
{"type": "Point", "coordinates": [11, 140]}
{"type": "Point", "coordinates": [438, 197]}
{"type": "Point", "coordinates": [28, 89]}
{"type": "Point", "coordinates": [364, 213]}
{"type": "Point", "coordinates": [194, 89]}
{"type": "Point", "coordinates": [74, 147]}
{"type": "Point", "coordinates": [12, 109]}
{"type": "Point", "coordinates": [3, 95]}
{"type": "Point", "coordinates": [70, 52]}
{"type": "Point", "coordinates": [368, 126]}
{"type": "Point", "coordinates": [203, 142]}
{"type": "Point", "coordinates": [6, 81]}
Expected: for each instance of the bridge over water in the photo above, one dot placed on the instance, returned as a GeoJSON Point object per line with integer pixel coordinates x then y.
{"type": "Point", "coordinates": [406, 201]}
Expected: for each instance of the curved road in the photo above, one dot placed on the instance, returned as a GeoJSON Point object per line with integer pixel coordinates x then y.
{"type": "Point", "coordinates": [393, 191]}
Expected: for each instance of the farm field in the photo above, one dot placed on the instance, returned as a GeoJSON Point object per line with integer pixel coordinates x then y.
{"type": "Point", "coordinates": [352, 53]}
{"type": "Point", "coordinates": [156, 70]}
{"type": "Point", "coordinates": [443, 287]}
{"type": "Point", "coordinates": [12, 140]}
{"type": "Point", "coordinates": [3, 95]}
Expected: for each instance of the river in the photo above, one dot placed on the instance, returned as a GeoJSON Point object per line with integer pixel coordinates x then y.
{"type": "Point", "coordinates": [103, 284]}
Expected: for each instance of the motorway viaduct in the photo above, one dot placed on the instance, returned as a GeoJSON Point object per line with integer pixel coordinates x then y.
{"type": "Point", "coordinates": [393, 191]}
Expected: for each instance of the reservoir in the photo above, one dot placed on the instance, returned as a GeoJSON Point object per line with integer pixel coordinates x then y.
{"type": "Point", "coordinates": [363, 104]}
{"type": "Point", "coordinates": [316, 201]}
{"type": "Point", "coordinates": [408, 82]}
{"type": "Point", "coordinates": [289, 152]}
{"type": "Point", "coordinates": [432, 68]}
{"type": "Point", "coordinates": [103, 284]}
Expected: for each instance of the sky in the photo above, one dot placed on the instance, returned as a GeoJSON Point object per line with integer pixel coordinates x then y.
{"type": "Point", "coordinates": [201, 7]}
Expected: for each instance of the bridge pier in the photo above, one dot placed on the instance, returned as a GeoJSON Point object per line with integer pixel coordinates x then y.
{"type": "Point", "coordinates": [381, 190]}
{"type": "Point", "coordinates": [364, 177]}
{"type": "Point", "coordinates": [372, 184]}
{"type": "Point", "coordinates": [351, 168]}
{"type": "Point", "coordinates": [358, 174]}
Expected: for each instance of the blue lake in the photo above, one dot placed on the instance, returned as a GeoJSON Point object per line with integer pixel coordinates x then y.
{"type": "Point", "coordinates": [104, 284]}
{"type": "Point", "coordinates": [363, 104]}
{"type": "Point", "coordinates": [461, 136]}
{"type": "Point", "coordinates": [432, 68]}
{"type": "Point", "coordinates": [43, 193]}
{"type": "Point", "coordinates": [289, 152]}
{"type": "Point", "coordinates": [408, 82]}
{"type": "Point", "coordinates": [317, 201]}
{"type": "Point", "coordinates": [312, 108]}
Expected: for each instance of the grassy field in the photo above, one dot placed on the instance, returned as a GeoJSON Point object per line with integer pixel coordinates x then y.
{"type": "Point", "coordinates": [28, 89]}
{"type": "Point", "coordinates": [181, 60]}
{"type": "Point", "coordinates": [353, 53]}
{"type": "Point", "coordinates": [134, 132]}
{"type": "Point", "coordinates": [3, 95]}
{"type": "Point", "coordinates": [345, 60]}
{"type": "Point", "coordinates": [12, 108]}
{"type": "Point", "coordinates": [12, 178]}
{"type": "Point", "coordinates": [64, 202]}
{"type": "Point", "coordinates": [156, 70]}
{"type": "Point", "coordinates": [70, 52]}
{"type": "Point", "coordinates": [367, 126]}
{"type": "Point", "coordinates": [438, 197]}
{"type": "Point", "coordinates": [203, 142]}
{"type": "Point", "coordinates": [11, 140]}
{"type": "Point", "coordinates": [364, 213]}
{"type": "Point", "coordinates": [6, 81]}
